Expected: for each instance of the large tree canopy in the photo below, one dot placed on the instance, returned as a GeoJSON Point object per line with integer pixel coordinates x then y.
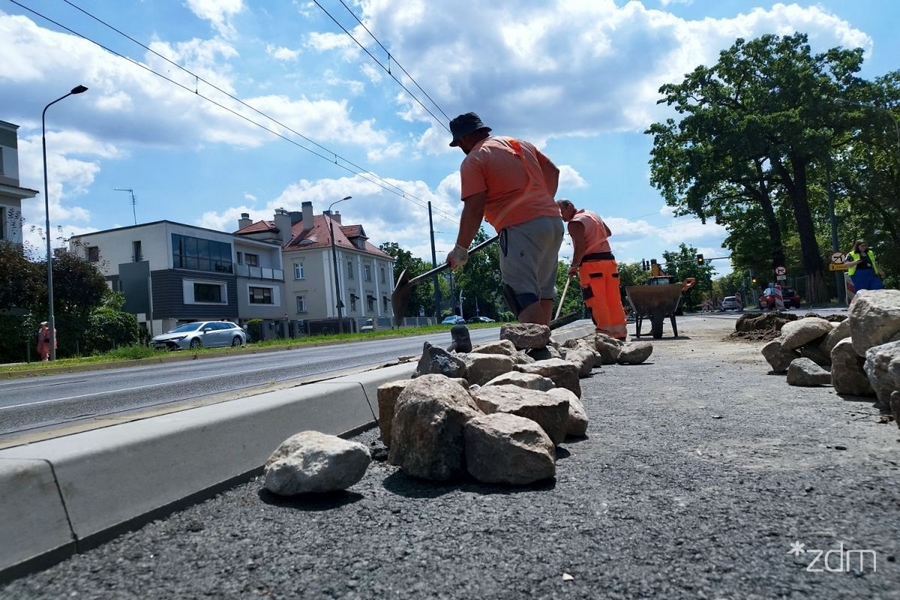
{"type": "Point", "coordinates": [755, 126]}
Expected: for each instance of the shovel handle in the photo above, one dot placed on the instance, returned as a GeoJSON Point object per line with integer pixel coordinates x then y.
{"type": "Point", "coordinates": [443, 267]}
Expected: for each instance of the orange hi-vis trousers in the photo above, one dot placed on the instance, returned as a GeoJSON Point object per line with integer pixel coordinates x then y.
{"type": "Point", "coordinates": [600, 290]}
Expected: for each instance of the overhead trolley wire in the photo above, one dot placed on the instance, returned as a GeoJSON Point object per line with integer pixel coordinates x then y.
{"type": "Point", "coordinates": [332, 157]}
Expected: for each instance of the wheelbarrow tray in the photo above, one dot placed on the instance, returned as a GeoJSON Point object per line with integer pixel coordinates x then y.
{"type": "Point", "coordinates": [654, 302]}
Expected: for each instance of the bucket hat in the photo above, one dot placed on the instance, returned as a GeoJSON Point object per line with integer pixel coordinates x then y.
{"type": "Point", "coordinates": [465, 124]}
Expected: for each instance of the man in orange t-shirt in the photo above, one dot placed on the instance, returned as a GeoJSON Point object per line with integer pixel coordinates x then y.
{"type": "Point", "coordinates": [510, 184]}
{"type": "Point", "coordinates": [597, 270]}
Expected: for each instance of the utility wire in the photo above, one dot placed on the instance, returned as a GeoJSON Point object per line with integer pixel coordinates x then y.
{"type": "Point", "coordinates": [333, 158]}
{"type": "Point", "coordinates": [386, 69]}
{"type": "Point", "coordinates": [394, 58]}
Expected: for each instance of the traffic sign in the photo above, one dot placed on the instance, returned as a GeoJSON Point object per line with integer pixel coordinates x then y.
{"type": "Point", "coordinates": [837, 258]}
{"type": "Point", "coordinates": [837, 267]}
{"type": "Point", "coordinates": [780, 270]}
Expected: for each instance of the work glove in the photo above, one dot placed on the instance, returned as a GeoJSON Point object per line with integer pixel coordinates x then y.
{"type": "Point", "coordinates": [458, 257]}
{"type": "Point", "coordinates": [573, 270]}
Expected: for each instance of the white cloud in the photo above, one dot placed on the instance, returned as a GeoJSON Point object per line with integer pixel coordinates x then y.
{"type": "Point", "coordinates": [218, 13]}
{"type": "Point", "coordinates": [282, 53]}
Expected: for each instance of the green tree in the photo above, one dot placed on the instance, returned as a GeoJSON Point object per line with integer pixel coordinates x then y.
{"type": "Point", "coordinates": [753, 126]}
{"type": "Point", "coordinates": [22, 284]}
{"type": "Point", "coordinates": [422, 295]}
{"type": "Point", "coordinates": [480, 280]}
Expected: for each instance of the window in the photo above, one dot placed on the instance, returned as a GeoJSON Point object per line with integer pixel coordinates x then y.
{"type": "Point", "coordinates": [3, 235]}
{"type": "Point", "coordinates": [301, 304]}
{"type": "Point", "coordinates": [92, 253]}
{"type": "Point", "coordinates": [260, 295]}
{"type": "Point", "coordinates": [208, 292]}
{"type": "Point", "coordinates": [252, 260]}
{"type": "Point", "coordinates": [200, 255]}
{"type": "Point", "coordinates": [367, 272]}
{"type": "Point", "coordinates": [370, 302]}
{"type": "Point", "coordinates": [384, 302]}
{"type": "Point", "coordinates": [349, 269]}
{"type": "Point", "coordinates": [240, 258]}
{"type": "Point", "coordinates": [382, 275]}
{"type": "Point", "coordinates": [137, 255]}
{"type": "Point", "coordinates": [298, 271]}
{"type": "Point", "coordinates": [353, 299]}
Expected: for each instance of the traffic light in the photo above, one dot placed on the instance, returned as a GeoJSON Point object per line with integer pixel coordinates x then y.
{"type": "Point", "coordinates": [700, 259]}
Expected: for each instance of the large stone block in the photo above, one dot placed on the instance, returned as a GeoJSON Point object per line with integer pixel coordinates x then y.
{"type": "Point", "coordinates": [551, 412]}
{"type": "Point", "coordinates": [313, 462]}
{"type": "Point", "coordinates": [504, 448]}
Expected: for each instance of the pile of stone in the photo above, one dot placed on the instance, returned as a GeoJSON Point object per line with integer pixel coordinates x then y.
{"type": "Point", "coordinates": [859, 356]}
{"type": "Point", "coordinates": [496, 414]}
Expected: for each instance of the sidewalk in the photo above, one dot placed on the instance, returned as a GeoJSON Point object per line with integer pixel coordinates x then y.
{"type": "Point", "coordinates": [700, 473]}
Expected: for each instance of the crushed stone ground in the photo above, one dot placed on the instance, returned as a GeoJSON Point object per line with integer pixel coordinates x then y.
{"type": "Point", "coordinates": [700, 473]}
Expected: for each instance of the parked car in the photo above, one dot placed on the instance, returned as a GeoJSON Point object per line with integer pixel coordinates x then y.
{"type": "Point", "coordinates": [369, 325]}
{"type": "Point", "coordinates": [479, 320]}
{"type": "Point", "coordinates": [202, 334]}
{"type": "Point", "coordinates": [790, 297]}
{"type": "Point", "coordinates": [731, 303]}
{"type": "Point", "coordinates": [453, 320]}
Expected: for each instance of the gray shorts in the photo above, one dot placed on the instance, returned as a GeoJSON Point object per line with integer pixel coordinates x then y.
{"type": "Point", "coordinates": [529, 258]}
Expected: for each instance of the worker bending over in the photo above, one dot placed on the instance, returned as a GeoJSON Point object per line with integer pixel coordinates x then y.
{"type": "Point", "coordinates": [510, 184]}
{"type": "Point", "coordinates": [597, 270]}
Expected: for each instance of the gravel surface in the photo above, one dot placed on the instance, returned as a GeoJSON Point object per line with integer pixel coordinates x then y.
{"type": "Point", "coordinates": [699, 473]}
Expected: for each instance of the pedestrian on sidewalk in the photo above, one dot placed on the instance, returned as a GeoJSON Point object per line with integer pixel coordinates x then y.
{"type": "Point", "coordinates": [510, 184]}
{"type": "Point", "coordinates": [596, 267]}
{"type": "Point", "coordinates": [43, 341]}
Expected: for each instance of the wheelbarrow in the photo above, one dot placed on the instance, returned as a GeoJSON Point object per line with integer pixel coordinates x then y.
{"type": "Point", "coordinates": [656, 301]}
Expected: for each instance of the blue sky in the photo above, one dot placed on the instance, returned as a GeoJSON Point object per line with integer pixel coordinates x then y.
{"type": "Point", "coordinates": [577, 77]}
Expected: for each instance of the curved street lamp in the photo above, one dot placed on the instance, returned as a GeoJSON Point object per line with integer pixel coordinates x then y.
{"type": "Point", "coordinates": [51, 317]}
{"type": "Point", "coordinates": [337, 280]}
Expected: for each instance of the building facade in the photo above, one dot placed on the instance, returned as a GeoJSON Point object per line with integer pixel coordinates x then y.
{"type": "Point", "coordinates": [11, 193]}
{"type": "Point", "coordinates": [365, 274]}
{"type": "Point", "coordinates": [171, 273]}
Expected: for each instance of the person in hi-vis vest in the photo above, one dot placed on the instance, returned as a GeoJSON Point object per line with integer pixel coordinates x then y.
{"type": "Point", "coordinates": [597, 270]}
{"type": "Point", "coordinates": [863, 270]}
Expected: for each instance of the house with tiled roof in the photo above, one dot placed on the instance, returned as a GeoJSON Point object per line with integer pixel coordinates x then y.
{"type": "Point", "coordinates": [361, 278]}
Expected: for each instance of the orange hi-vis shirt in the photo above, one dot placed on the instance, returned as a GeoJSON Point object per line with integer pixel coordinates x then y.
{"type": "Point", "coordinates": [509, 170]}
{"type": "Point", "coordinates": [595, 238]}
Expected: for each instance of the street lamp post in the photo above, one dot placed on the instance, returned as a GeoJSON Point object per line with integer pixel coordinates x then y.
{"type": "Point", "coordinates": [337, 279]}
{"type": "Point", "coordinates": [51, 316]}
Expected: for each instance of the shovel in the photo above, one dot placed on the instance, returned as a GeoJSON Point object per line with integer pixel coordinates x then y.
{"type": "Point", "coordinates": [403, 288]}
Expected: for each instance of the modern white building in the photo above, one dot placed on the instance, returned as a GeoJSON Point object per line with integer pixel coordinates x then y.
{"type": "Point", "coordinates": [173, 273]}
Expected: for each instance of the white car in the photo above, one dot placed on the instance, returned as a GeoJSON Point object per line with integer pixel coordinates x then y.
{"type": "Point", "coordinates": [369, 325]}
{"type": "Point", "coordinates": [731, 303]}
{"type": "Point", "coordinates": [202, 334]}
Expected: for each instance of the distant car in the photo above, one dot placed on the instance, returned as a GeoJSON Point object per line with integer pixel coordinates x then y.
{"type": "Point", "coordinates": [202, 334]}
{"type": "Point", "coordinates": [479, 320]}
{"type": "Point", "coordinates": [369, 325]}
{"type": "Point", "coordinates": [731, 303]}
{"type": "Point", "coordinates": [790, 297]}
{"type": "Point", "coordinates": [453, 320]}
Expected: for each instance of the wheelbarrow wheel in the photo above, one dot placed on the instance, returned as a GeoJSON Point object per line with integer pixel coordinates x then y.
{"type": "Point", "coordinates": [656, 323]}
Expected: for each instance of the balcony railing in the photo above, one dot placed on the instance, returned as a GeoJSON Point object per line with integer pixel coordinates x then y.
{"type": "Point", "coordinates": [263, 273]}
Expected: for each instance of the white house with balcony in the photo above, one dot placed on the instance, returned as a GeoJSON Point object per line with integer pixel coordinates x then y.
{"type": "Point", "coordinates": [365, 273]}
{"type": "Point", "coordinates": [173, 273]}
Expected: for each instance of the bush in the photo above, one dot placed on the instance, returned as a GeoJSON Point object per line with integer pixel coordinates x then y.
{"type": "Point", "coordinates": [109, 329]}
{"type": "Point", "coordinates": [254, 329]}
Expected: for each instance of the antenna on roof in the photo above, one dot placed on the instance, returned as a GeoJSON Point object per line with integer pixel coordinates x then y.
{"type": "Point", "coordinates": [133, 201]}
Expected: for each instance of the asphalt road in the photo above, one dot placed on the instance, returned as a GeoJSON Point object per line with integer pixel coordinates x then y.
{"type": "Point", "coordinates": [702, 476]}
{"type": "Point", "coordinates": [39, 404]}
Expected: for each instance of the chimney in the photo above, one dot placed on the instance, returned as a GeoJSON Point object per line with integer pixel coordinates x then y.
{"type": "Point", "coordinates": [296, 216]}
{"type": "Point", "coordinates": [244, 221]}
{"type": "Point", "coordinates": [307, 216]}
{"type": "Point", "coordinates": [336, 215]}
{"type": "Point", "coordinates": [283, 225]}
